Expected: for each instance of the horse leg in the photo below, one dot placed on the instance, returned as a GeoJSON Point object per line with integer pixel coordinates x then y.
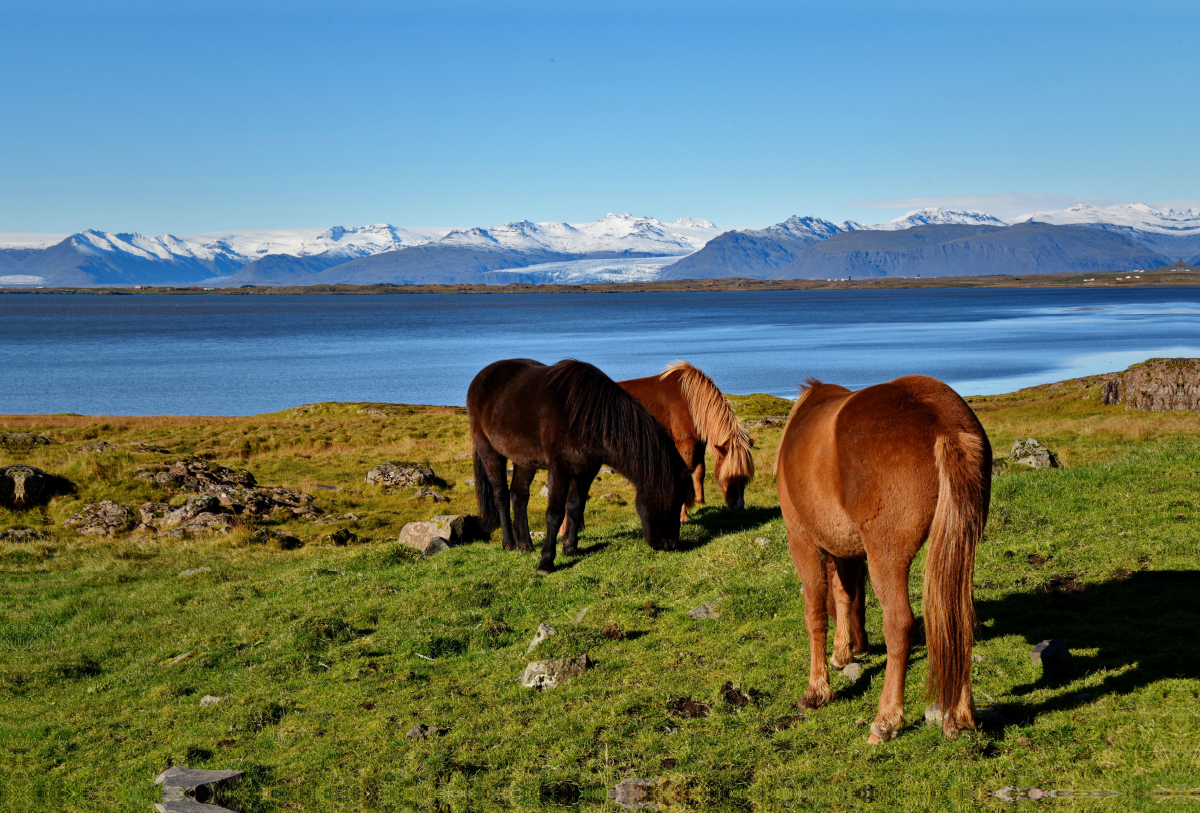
{"type": "Point", "coordinates": [891, 585]}
{"type": "Point", "coordinates": [495, 464]}
{"type": "Point", "coordinates": [843, 577]}
{"type": "Point", "coordinates": [522, 477]}
{"type": "Point", "coordinates": [698, 479]}
{"type": "Point", "coordinates": [810, 564]}
{"type": "Point", "coordinates": [858, 614]}
{"type": "Point", "coordinates": [576, 500]}
{"type": "Point", "coordinates": [558, 484]}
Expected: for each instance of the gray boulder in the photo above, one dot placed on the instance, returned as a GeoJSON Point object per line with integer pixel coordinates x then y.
{"type": "Point", "coordinates": [102, 519]}
{"type": "Point", "coordinates": [196, 505]}
{"type": "Point", "coordinates": [1031, 453]}
{"type": "Point", "coordinates": [548, 674]}
{"type": "Point", "coordinates": [190, 790]}
{"type": "Point", "coordinates": [425, 537]}
{"type": "Point", "coordinates": [394, 473]}
{"type": "Point", "coordinates": [458, 529]}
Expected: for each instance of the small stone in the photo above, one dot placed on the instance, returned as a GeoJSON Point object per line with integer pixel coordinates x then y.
{"type": "Point", "coordinates": [186, 656]}
{"type": "Point", "coordinates": [1050, 653]}
{"type": "Point", "coordinates": [548, 674]}
{"type": "Point", "coordinates": [469, 481]}
{"type": "Point", "coordinates": [579, 615]}
{"type": "Point", "coordinates": [545, 492]}
{"type": "Point", "coordinates": [193, 571]}
{"type": "Point", "coordinates": [977, 658]}
{"type": "Point", "coordinates": [605, 470]}
{"type": "Point", "coordinates": [544, 631]}
{"type": "Point", "coordinates": [853, 671]}
{"type": "Point", "coordinates": [762, 542]}
{"type": "Point", "coordinates": [211, 700]}
{"type": "Point", "coordinates": [96, 447]}
{"type": "Point", "coordinates": [430, 494]}
{"type": "Point", "coordinates": [706, 610]}
{"type": "Point", "coordinates": [421, 731]}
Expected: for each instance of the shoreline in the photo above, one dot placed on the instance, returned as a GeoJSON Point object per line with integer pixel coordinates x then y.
{"type": "Point", "coordinates": [1175, 275]}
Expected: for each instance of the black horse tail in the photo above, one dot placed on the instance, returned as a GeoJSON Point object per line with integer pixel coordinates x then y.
{"type": "Point", "coordinates": [485, 498]}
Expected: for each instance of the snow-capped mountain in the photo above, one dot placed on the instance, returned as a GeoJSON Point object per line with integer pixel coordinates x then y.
{"type": "Point", "coordinates": [347, 241]}
{"type": "Point", "coordinates": [623, 233]}
{"type": "Point", "coordinates": [936, 216]}
{"type": "Point", "coordinates": [1174, 232]}
{"type": "Point", "coordinates": [805, 229]}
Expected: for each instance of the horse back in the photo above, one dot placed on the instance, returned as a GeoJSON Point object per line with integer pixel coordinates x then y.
{"type": "Point", "coordinates": [863, 463]}
{"type": "Point", "coordinates": [510, 406]}
{"type": "Point", "coordinates": [664, 400]}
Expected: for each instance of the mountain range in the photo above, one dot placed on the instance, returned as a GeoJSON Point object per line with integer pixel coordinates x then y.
{"type": "Point", "coordinates": [926, 242]}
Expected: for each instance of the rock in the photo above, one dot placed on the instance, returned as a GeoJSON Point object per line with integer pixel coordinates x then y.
{"type": "Point", "coordinates": [202, 525]}
{"type": "Point", "coordinates": [211, 700]}
{"type": "Point", "coordinates": [1050, 653]}
{"type": "Point", "coordinates": [421, 731]}
{"type": "Point", "coordinates": [393, 473]}
{"type": "Point", "coordinates": [853, 671]}
{"type": "Point", "coordinates": [23, 440]}
{"type": "Point", "coordinates": [544, 631]}
{"type": "Point", "coordinates": [190, 790]}
{"type": "Point", "coordinates": [153, 512]}
{"type": "Point", "coordinates": [762, 542]}
{"type": "Point", "coordinates": [22, 487]}
{"type": "Point", "coordinates": [193, 571]}
{"type": "Point", "coordinates": [269, 536]}
{"type": "Point", "coordinates": [579, 615]}
{"type": "Point", "coordinates": [1031, 453]}
{"type": "Point", "coordinates": [102, 519]}
{"type": "Point", "coordinates": [1157, 385]}
{"type": "Point", "coordinates": [468, 481]}
{"type": "Point", "coordinates": [999, 465]}
{"type": "Point", "coordinates": [430, 494]}
{"type": "Point", "coordinates": [198, 477]}
{"type": "Point", "coordinates": [458, 529]}
{"type": "Point", "coordinates": [706, 610]}
{"type": "Point", "coordinates": [548, 674]}
{"type": "Point", "coordinates": [425, 537]}
{"type": "Point", "coordinates": [605, 470]}
{"type": "Point", "coordinates": [638, 794]}
{"type": "Point", "coordinates": [21, 535]}
{"type": "Point", "coordinates": [332, 519]}
{"type": "Point", "coordinates": [545, 492]}
{"type": "Point", "coordinates": [96, 446]}
{"type": "Point", "coordinates": [340, 537]}
{"type": "Point", "coordinates": [196, 505]}
{"type": "Point", "coordinates": [178, 659]}
{"type": "Point", "coordinates": [977, 658]}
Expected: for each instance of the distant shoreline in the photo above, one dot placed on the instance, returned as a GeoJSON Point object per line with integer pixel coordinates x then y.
{"type": "Point", "coordinates": [1171, 275]}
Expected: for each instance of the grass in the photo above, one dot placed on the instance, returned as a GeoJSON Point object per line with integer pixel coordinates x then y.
{"type": "Point", "coordinates": [329, 655]}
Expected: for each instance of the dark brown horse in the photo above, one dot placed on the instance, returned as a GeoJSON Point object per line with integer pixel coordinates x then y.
{"type": "Point", "coordinates": [873, 474]}
{"type": "Point", "coordinates": [694, 412]}
{"type": "Point", "coordinates": [568, 418]}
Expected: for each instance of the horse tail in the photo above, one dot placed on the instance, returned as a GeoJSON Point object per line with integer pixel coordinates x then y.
{"type": "Point", "coordinates": [485, 498]}
{"type": "Point", "coordinates": [963, 460]}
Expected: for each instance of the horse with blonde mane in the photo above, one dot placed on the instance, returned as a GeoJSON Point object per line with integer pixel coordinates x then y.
{"type": "Point", "coordinates": [871, 475]}
{"type": "Point", "coordinates": [695, 413]}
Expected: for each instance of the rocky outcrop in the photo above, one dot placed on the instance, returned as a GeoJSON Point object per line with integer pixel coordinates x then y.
{"type": "Point", "coordinates": [1031, 453]}
{"type": "Point", "coordinates": [549, 674]}
{"type": "Point", "coordinates": [1157, 385]}
{"type": "Point", "coordinates": [234, 489]}
{"type": "Point", "coordinates": [23, 487]}
{"type": "Point", "coordinates": [406, 475]}
{"type": "Point", "coordinates": [104, 518]}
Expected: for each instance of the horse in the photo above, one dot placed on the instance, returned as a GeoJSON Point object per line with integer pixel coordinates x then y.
{"type": "Point", "coordinates": [570, 419]}
{"type": "Point", "coordinates": [694, 412]}
{"type": "Point", "coordinates": [873, 474]}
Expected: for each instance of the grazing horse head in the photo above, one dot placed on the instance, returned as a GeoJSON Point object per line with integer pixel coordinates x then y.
{"type": "Point", "coordinates": [660, 510]}
{"type": "Point", "coordinates": [716, 423]}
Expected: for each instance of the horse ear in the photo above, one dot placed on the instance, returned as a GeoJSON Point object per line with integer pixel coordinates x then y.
{"type": "Point", "coordinates": [751, 443]}
{"type": "Point", "coordinates": [720, 447]}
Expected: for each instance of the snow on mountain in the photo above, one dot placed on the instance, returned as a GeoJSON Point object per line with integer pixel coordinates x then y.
{"type": "Point", "coordinates": [33, 240]}
{"type": "Point", "coordinates": [937, 216]}
{"type": "Point", "coordinates": [167, 248]}
{"type": "Point", "coordinates": [347, 241]}
{"type": "Point", "coordinates": [806, 229]}
{"type": "Point", "coordinates": [611, 233]}
{"type": "Point", "coordinates": [1137, 216]}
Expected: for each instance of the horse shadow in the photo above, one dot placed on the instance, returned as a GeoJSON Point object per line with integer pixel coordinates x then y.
{"type": "Point", "coordinates": [708, 523]}
{"type": "Point", "coordinates": [1141, 628]}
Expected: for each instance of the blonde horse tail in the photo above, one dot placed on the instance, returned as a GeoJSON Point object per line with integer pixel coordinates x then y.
{"type": "Point", "coordinates": [963, 461]}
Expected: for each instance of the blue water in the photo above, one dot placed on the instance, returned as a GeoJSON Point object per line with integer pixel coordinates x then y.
{"type": "Point", "coordinates": [241, 355]}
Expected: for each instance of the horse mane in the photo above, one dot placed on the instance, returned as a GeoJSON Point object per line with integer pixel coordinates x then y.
{"type": "Point", "coordinates": [598, 408]}
{"type": "Point", "coordinates": [714, 418]}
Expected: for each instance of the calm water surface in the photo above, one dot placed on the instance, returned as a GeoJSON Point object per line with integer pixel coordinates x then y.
{"type": "Point", "coordinates": [241, 355]}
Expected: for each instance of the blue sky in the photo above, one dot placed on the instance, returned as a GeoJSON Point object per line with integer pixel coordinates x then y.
{"type": "Point", "coordinates": [215, 116]}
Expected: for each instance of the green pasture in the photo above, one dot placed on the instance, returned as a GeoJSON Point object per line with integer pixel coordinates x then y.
{"type": "Point", "coordinates": [328, 655]}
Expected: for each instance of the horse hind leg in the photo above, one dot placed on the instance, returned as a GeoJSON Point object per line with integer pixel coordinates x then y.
{"type": "Point", "coordinates": [494, 464]}
{"type": "Point", "coordinates": [844, 576]}
{"type": "Point", "coordinates": [810, 564]}
{"type": "Point", "coordinates": [577, 497]}
{"type": "Point", "coordinates": [558, 483]}
{"type": "Point", "coordinates": [522, 477]}
{"type": "Point", "coordinates": [891, 586]}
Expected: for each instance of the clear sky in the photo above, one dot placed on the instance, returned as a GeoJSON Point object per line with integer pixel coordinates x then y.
{"type": "Point", "coordinates": [191, 117]}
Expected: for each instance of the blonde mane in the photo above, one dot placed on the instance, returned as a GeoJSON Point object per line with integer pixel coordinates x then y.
{"type": "Point", "coordinates": [714, 418]}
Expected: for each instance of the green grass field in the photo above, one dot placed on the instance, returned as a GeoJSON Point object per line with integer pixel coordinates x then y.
{"type": "Point", "coordinates": [329, 654]}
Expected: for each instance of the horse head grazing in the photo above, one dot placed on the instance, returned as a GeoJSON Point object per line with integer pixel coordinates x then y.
{"type": "Point", "coordinates": [716, 423]}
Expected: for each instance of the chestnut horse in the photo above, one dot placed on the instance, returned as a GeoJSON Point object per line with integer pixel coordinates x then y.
{"type": "Point", "coordinates": [569, 418]}
{"type": "Point", "coordinates": [873, 474]}
{"type": "Point", "coordinates": [694, 412]}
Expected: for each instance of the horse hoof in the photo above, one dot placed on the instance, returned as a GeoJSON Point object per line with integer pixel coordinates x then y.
{"type": "Point", "coordinates": [570, 551]}
{"type": "Point", "coordinates": [525, 547]}
{"type": "Point", "coordinates": [807, 703]}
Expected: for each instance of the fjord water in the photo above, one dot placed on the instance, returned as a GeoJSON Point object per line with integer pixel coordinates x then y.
{"type": "Point", "coordinates": [241, 355]}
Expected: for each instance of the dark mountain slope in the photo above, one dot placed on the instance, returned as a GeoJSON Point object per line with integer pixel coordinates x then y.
{"type": "Point", "coordinates": [941, 251]}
